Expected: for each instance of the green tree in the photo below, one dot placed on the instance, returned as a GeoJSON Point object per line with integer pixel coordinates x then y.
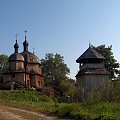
{"type": "Point", "coordinates": [55, 72]}
{"type": "Point", "coordinates": [110, 63]}
{"type": "Point", "coordinates": [70, 86]}
{"type": "Point", "coordinates": [3, 62]}
{"type": "Point", "coordinates": [3, 65]}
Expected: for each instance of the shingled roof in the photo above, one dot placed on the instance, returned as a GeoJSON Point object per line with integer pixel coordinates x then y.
{"type": "Point", "coordinates": [90, 53]}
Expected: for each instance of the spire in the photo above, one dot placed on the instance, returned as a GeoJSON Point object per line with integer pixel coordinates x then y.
{"type": "Point", "coordinates": [25, 33]}
{"type": "Point", "coordinates": [16, 46]}
{"type": "Point", "coordinates": [33, 50]}
{"type": "Point", "coordinates": [25, 43]}
{"type": "Point", "coordinates": [89, 44]}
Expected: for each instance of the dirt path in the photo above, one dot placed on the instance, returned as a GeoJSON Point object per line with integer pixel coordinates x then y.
{"type": "Point", "coordinates": [4, 113]}
{"type": "Point", "coordinates": [10, 113]}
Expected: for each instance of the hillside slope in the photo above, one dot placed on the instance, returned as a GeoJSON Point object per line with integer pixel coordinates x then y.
{"type": "Point", "coordinates": [37, 102]}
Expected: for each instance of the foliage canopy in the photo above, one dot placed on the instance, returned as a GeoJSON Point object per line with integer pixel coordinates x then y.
{"type": "Point", "coordinates": [111, 63]}
{"type": "Point", "coordinates": [3, 62]}
{"type": "Point", "coordinates": [55, 73]}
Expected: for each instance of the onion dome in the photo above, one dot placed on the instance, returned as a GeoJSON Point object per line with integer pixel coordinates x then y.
{"type": "Point", "coordinates": [16, 56]}
{"type": "Point", "coordinates": [30, 57]}
{"type": "Point", "coordinates": [16, 46]}
{"type": "Point", "coordinates": [25, 44]}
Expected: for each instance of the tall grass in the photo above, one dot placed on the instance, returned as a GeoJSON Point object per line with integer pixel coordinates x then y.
{"type": "Point", "coordinates": [35, 101]}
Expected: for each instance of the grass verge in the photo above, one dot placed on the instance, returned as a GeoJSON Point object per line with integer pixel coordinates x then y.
{"type": "Point", "coordinates": [34, 101]}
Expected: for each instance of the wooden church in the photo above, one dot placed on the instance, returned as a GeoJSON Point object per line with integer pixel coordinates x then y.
{"type": "Point", "coordinates": [92, 73]}
{"type": "Point", "coordinates": [24, 70]}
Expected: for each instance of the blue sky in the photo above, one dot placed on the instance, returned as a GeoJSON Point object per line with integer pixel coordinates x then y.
{"type": "Point", "coordinates": [60, 26]}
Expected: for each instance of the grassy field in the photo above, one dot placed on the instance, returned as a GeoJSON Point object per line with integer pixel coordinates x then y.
{"type": "Point", "coordinates": [34, 101]}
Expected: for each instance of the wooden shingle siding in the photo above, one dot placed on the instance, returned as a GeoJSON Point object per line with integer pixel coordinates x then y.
{"type": "Point", "coordinates": [92, 73]}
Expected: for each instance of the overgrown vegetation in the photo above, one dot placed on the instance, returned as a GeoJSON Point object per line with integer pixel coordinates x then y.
{"type": "Point", "coordinates": [34, 101]}
{"type": "Point", "coordinates": [55, 73]}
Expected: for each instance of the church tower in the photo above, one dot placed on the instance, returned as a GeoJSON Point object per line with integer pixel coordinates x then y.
{"type": "Point", "coordinates": [16, 60]}
{"type": "Point", "coordinates": [92, 73]}
{"type": "Point", "coordinates": [25, 69]}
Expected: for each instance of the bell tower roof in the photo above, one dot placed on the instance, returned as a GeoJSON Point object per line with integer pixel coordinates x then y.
{"type": "Point", "coordinates": [89, 55]}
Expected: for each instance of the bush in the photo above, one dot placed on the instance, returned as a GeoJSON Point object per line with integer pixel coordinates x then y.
{"type": "Point", "coordinates": [35, 101]}
{"type": "Point", "coordinates": [115, 90]}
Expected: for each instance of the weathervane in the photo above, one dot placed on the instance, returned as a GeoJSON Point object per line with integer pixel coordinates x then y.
{"type": "Point", "coordinates": [25, 32]}
{"type": "Point", "coordinates": [33, 50]}
{"type": "Point", "coordinates": [89, 44]}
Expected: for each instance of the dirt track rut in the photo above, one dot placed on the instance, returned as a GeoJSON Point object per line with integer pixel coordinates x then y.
{"type": "Point", "coordinates": [7, 114]}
